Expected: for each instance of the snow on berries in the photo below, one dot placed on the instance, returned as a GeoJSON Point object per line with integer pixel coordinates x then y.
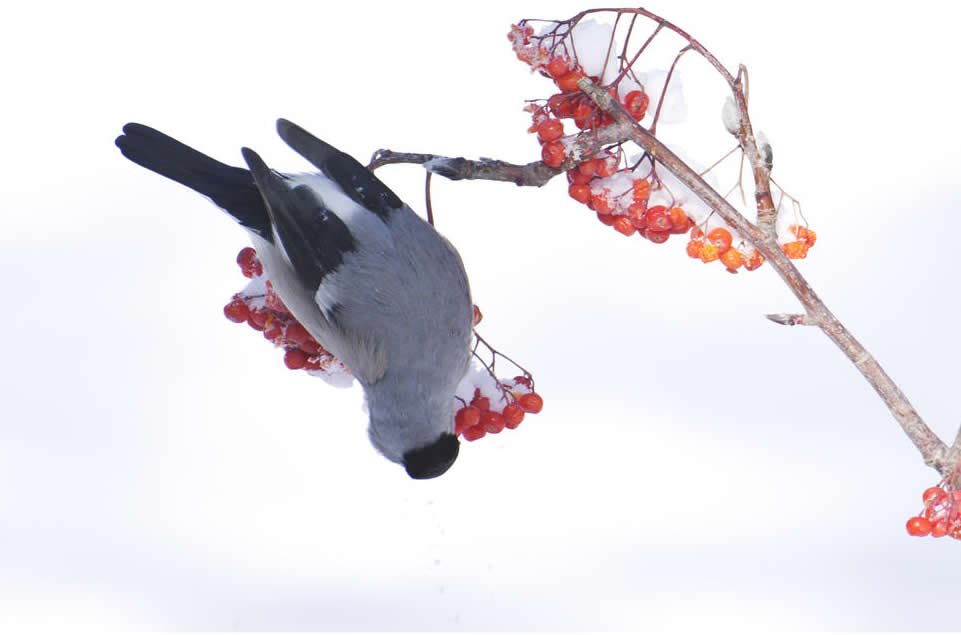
{"type": "Point", "coordinates": [629, 194]}
{"type": "Point", "coordinates": [941, 514]}
{"type": "Point", "coordinates": [259, 307]}
{"type": "Point", "coordinates": [485, 405]}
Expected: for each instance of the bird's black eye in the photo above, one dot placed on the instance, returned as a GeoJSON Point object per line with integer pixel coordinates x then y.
{"type": "Point", "coordinates": [432, 460]}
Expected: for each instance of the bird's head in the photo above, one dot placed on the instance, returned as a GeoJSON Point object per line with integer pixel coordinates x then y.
{"type": "Point", "coordinates": [413, 429]}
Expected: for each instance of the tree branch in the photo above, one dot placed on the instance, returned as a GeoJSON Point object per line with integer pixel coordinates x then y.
{"type": "Point", "coordinates": [533, 174]}
{"type": "Point", "coordinates": [932, 449]}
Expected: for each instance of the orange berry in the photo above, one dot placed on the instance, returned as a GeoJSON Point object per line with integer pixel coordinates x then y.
{"type": "Point", "coordinates": [697, 233]}
{"type": "Point", "coordinates": [732, 259]}
{"type": "Point", "coordinates": [709, 252]}
{"type": "Point", "coordinates": [795, 249]}
{"type": "Point", "coordinates": [720, 238]}
{"type": "Point", "coordinates": [680, 223]}
{"type": "Point", "coordinates": [694, 248]}
{"type": "Point", "coordinates": [754, 261]}
{"type": "Point", "coordinates": [624, 225]}
{"type": "Point", "coordinates": [642, 189]}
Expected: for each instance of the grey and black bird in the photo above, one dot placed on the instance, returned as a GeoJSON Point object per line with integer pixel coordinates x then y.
{"type": "Point", "coordinates": [373, 282]}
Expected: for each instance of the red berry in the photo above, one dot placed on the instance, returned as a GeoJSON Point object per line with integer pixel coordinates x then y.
{"type": "Point", "coordinates": [600, 204]}
{"type": "Point", "coordinates": [584, 111]}
{"type": "Point", "coordinates": [624, 225]}
{"type": "Point", "coordinates": [295, 359]}
{"type": "Point", "coordinates": [558, 66]}
{"type": "Point", "coordinates": [523, 381]}
{"type": "Point", "coordinates": [636, 102]}
{"type": "Point", "coordinates": [561, 105]}
{"type": "Point", "coordinates": [296, 333]}
{"type": "Point", "coordinates": [607, 219]}
{"type": "Point", "coordinates": [918, 526]}
{"type": "Point", "coordinates": [257, 319]}
{"type": "Point", "coordinates": [637, 213]}
{"type": "Point", "coordinates": [568, 81]}
{"type": "Point", "coordinates": [513, 415]}
{"type": "Point", "coordinates": [656, 237]}
{"type": "Point", "coordinates": [658, 219]}
{"type": "Point", "coordinates": [586, 168]}
{"type": "Point", "coordinates": [553, 154]}
{"type": "Point", "coordinates": [934, 496]}
{"type": "Point", "coordinates": [249, 263]}
{"type": "Point", "coordinates": [493, 422]}
{"type": "Point", "coordinates": [474, 433]}
{"type": "Point", "coordinates": [576, 177]}
{"type": "Point", "coordinates": [580, 193]}
{"type": "Point", "coordinates": [481, 403]}
{"type": "Point", "coordinates": [274, 331]}
{"type": "Point", "coordinates": [237, 311]}
{"type": "Point", "coordinates": [466, 417]}
{"type": "Point", "coordinates": [605, 166]}
{"type": "Point", "coordinates": [478, 316]}
{"type": "Point", "coordinates": [939, 529]}
{"type": "Point", "coordinates": [531, 402]}
{"type": "Point", "coordinates": [550, 130]}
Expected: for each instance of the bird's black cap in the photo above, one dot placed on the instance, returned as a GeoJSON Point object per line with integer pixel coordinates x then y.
{"type": "Point", "coordinates": [432, 460]}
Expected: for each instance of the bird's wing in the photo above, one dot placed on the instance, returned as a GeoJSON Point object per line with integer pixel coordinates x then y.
{"type": "Point", "coordinates": [354, 179]}
{"type": "Point", "coordinates": [315, 241]}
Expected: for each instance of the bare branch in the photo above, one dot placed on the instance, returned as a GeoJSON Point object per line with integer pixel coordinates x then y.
{"type": "Point", "coordinates": [533, 174]}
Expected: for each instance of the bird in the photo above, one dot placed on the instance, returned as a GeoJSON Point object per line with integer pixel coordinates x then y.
{"type": "Point", "coordinates": [369, 279]}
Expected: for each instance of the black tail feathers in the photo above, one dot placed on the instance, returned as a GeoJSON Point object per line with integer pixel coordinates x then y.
{"type": "Point", "coordinates": [231, 188]}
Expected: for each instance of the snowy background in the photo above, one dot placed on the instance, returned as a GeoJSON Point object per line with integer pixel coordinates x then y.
{"type": "Point", "coordinates": [695, 466]}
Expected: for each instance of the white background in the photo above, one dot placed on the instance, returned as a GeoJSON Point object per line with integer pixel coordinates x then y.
{"type": "Point", "coordinates": [695, 466]}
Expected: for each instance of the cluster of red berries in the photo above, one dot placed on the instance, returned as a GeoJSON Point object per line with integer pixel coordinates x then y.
{"type": "Point", "coordinates": [481, 417]}
{"type": "Point", "coordinates": [620, 199]}
{"type": "Point", "coordinates": [263, 311]}
{"type": "Point", "coordinates": [941, 515]}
